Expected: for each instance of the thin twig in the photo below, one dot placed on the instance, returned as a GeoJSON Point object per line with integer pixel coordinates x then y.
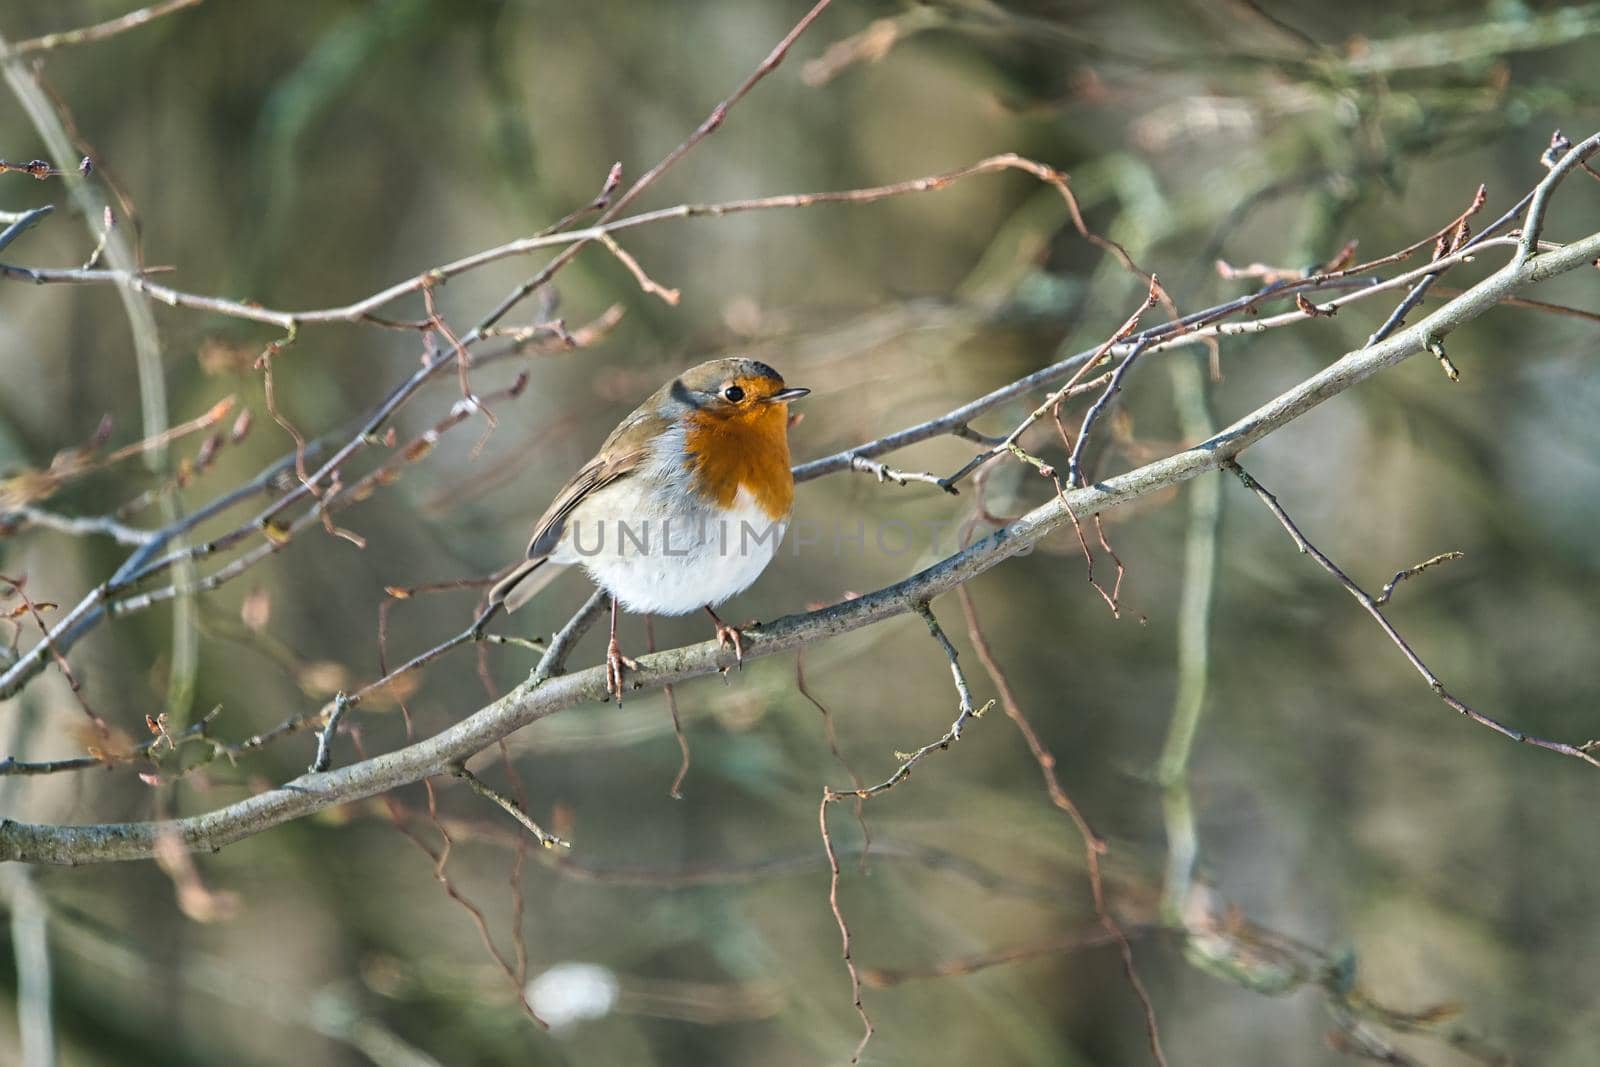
{"type": "Point", "coordinates": [1585, 752]}
{"type": "Point", "coordinates": [1412, 572]}
{"type": "Point", "coordinates": [844, 927]}
{"type": "Point", "coordinates": [1535, 202]}
{"type": "Point", "coordinates": [963, 690]}
{"type": "Point", "coordinates": [1053, 402]}
{"type": "Point", "coordinates": [1075, 461]}
{"type": "Point", "coordinates": [647, 283]}
{"type": "Point", "coordinates": [23, 222]}
{"type": "Point", "coordinates": [889, 474]}
{"type": "Point", "coordinates": [78, 525]}
{"type": "Point", "coordinates": [966, 712]}
{"type": "Point", "coordinates": [1094, 845]}
{"type": "Point", "coordinates": [830, 735]}
{"type": "Point", "coordinates": [569, 242]}
{"type": "Point", "coordinates": [885, 978]}
{"type": "Point", "coordinates": [99, 31]}
{"type": "Point", "coordinates": [35, 610]}
{"type": "Point", "coordinates": [1046, 470]}
{"type": "Point", "coordinates": [89, 611]}
{"type": "Point", "coordinates": [830, 795]}
{"type": "Point", "coordinates": [509, 806]}
{"type": "Point", "coordinates": [324, 757]}
{"type": "Point", "coordinates": [675, 790]}
{"type": "Point", "coordinates": [34, 168]}
{"type": "Point", "coordinates": [195, 731]}
{"type": "Point", "coordinates": [1195, 328]}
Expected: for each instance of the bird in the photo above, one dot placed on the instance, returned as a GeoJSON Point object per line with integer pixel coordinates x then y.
{"type": "Point", "coordinates": [682, 508]}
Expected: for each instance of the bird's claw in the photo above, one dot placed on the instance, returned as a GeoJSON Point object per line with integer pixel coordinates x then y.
{"type": "Point", "coordinates": [616, 664]}
{"type": "Point", "coordinates": [732, 637]}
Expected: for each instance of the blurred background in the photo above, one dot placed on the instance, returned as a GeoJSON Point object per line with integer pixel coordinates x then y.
{"type": "Point", "coordinates": [1371, 863]}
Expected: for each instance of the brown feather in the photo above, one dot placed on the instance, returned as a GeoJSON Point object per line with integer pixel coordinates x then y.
{"type": "Point", "coordinates": [618, 457]}
{"type": "Point", "coordinates": [524, 582]}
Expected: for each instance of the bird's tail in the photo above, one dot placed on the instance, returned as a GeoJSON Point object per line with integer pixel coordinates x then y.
{"type": "Point", "coordinates": [524, 582]}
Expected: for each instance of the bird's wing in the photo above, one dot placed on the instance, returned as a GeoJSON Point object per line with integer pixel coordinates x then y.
{"type": "Point", "coordinates": [622, 453]}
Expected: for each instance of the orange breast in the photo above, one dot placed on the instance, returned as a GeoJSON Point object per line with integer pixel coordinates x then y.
{"type": "Point", "coordinates": [746, 450]}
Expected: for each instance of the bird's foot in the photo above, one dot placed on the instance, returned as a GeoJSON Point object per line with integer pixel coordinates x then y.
{"type": "Point", "coordinates": [731, 637]}
{"type": "Point", "coordinates": [616, 664]}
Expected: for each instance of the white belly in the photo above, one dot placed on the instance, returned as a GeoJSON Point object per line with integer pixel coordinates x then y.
{"type": "Point", "coordinates": [660, 554]}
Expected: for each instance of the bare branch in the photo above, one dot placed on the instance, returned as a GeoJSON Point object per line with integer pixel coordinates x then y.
{"type": "Point", "coordinates": [1195, 328]}
{"type": "Point", "coordinates": [509, 806]}
{"type": "Point", "coordinates": [1583, 752]}
{"type": "Point", "coordinates": [828, 797]}
{"type": "Point", "coordinates": [1412, 572]}
{"type": "Point", "coordinates": [966, 712]}
{"type": "Point", "coordinates": [675, 790]}
{"type": "Point", "coordinates": [77, 525]}
{"type": "Point", "coordinates": [1073, 386]}
{"type": "Point", "coordinates": [1094, 845]}
{"type": "Point", "coordinates": [647, 283]}
{"type": "Point", "coordinates": [34, 168]}
{"type": "Point", "coordinates": [543, 695]}
{"type": "Point", "coordinates": [1075, 474]}
{"type": "Point", "coordinates": [330, 729]}
{"type": "Point", "coordinates": [21, 223]}
{"type": "Point", "coordinates": [99, 31]}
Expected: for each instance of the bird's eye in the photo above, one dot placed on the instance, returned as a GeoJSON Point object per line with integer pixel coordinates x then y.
{"type": "Point", "coordinates": [733, 394]}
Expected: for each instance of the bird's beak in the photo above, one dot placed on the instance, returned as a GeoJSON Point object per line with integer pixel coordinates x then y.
{"type": "Point", "coordinates": [794, 392]}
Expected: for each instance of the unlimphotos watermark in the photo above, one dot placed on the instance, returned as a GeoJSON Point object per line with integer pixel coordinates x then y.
{"type": "Point", "coordinates": [668, 538]}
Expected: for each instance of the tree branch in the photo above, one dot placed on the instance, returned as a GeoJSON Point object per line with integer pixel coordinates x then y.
{"type": "Point", "coordinates": [537, 699]}
{"type": "Point", "coordinates": [1583, 752]}
{"type": "Point", "coordinates": [98, 32]}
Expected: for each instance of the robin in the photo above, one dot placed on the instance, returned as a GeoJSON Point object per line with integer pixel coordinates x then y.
{"type": "Point", "coordinates": [682, 508]}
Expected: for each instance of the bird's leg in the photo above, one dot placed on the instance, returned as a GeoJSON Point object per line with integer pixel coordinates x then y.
{"type": "Point", "coordinates": [728, 636]}
{"type": "Point", "coordinates": [615, 660]}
